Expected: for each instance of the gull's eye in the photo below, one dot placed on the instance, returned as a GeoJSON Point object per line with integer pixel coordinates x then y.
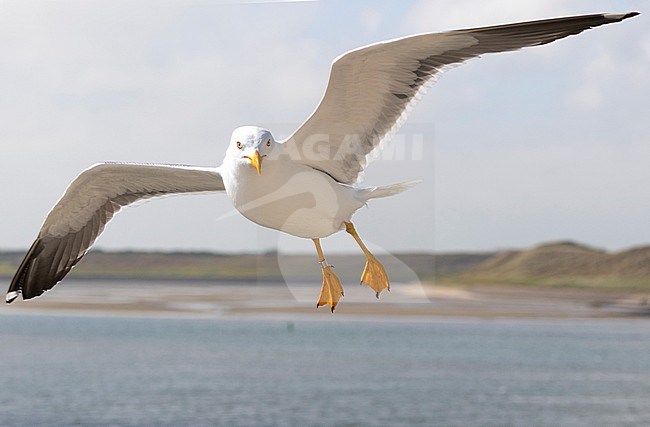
{"type": "Point", "coordinates": [268, 143]}
{"type": "Point", "coordinates": [239, 145]}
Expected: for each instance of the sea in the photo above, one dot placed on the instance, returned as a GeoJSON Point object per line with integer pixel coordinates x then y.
{"type": "Point", "coordinates": [82, 370]}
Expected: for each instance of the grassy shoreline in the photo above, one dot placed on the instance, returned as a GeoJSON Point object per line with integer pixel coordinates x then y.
{"type": "Point", "coordinates": [562, 265]}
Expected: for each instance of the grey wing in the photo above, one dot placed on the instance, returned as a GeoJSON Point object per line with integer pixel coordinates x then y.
{"type": "Point", "coordinates": [370, 89]}
{"type": "Point", "coordinates": [85, 208]}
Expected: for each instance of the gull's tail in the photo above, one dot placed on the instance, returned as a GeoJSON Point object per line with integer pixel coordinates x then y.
{"type": "Point", "coordinates": [390, 190]}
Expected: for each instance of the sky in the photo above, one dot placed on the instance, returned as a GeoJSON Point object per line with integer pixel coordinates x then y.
{"type": "Point", "coordinates": [544, 144]}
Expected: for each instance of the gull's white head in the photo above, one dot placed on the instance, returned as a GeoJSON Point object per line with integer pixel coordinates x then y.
{"type": "Point", "coordinates": [249, 146]}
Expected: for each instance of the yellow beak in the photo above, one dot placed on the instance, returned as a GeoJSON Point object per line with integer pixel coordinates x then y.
{"type": "Point", "coordinates": [256, 161]}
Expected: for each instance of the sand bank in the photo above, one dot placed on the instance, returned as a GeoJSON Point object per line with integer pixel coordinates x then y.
{"type": "Point", "coordinates": [209, 300]}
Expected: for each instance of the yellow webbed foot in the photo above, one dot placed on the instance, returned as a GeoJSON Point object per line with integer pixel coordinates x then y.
{"type": "Point", "coordinates": [374, 275]}
{"type": "Point", "coordinates": [332, 291]}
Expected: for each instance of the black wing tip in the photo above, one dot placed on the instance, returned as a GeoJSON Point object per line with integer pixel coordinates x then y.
{"type": "Point", "coordinates": [11, 296]}
{"type": "Point", "coordinates": [18, 282]}
{"type": "Point", "coordinates": [23, 284]}
{"type": "Point", "coordinates": [621, 17]}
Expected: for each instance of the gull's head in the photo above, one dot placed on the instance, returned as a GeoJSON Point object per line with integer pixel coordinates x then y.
{"type": "Point", "coordinates": [249, 146]}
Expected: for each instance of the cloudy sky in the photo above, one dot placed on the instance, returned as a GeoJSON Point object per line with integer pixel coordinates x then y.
{"type": "Point", "coordinates": [550, 143]}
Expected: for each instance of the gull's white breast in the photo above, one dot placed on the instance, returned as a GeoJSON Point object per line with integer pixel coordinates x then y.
{"type": "Point", "coordinates": [291, 197]}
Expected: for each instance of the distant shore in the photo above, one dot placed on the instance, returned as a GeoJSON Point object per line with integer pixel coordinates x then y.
{"type": "Point", "coordinates": [553, 265]}
{"type": "Point", "coordinates": [203, 299]}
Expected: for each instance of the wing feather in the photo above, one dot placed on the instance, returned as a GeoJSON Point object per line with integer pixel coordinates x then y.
{"type": "Point", "coordinates": [371, 89]}
{"type": "Point", "coordinates": [88, 204]}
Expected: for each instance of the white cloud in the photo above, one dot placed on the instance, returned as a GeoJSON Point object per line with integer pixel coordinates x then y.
{"type": "Point", "coordinates": [428, 16]}
{"type": "Point", "coordinates": [588, 94]}
{"type": "Point", "coordinates": [370, 21]}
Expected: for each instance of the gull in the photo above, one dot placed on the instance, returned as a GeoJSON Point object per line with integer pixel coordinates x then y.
{"type": "Point", "coordinates": [309, 184]}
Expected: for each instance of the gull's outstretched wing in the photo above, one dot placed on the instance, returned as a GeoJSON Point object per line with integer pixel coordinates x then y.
{"type": "Point", "coordinates": [87, 205]}
{"type": "Point", "coordinates": [371, 88]}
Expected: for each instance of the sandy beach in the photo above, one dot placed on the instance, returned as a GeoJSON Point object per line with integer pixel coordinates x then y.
{"type": "Point", "coordinates": [199, 299]}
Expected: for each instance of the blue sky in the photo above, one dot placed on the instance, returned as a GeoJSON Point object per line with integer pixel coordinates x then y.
{"type": "Point", "coordinates": [549, 143]}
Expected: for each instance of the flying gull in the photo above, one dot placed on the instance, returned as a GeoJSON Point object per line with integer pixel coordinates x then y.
{"type": "Point", "coordinates": [308, 186]}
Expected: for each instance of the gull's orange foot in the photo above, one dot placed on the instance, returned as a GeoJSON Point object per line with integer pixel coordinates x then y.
{"type": "Point", "coordinates": [374, 275]}
{"type": "Point", "coordinates": [332, 291]}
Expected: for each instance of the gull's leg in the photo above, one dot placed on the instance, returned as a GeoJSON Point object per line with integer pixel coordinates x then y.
{"type": "Point", "coordinates": [332, 291]}
{"type": "Point", "coordinates": [374, 274]}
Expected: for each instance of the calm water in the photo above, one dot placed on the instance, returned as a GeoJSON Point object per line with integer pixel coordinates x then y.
{"type": "Point", "coordinates": [97, 371]}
